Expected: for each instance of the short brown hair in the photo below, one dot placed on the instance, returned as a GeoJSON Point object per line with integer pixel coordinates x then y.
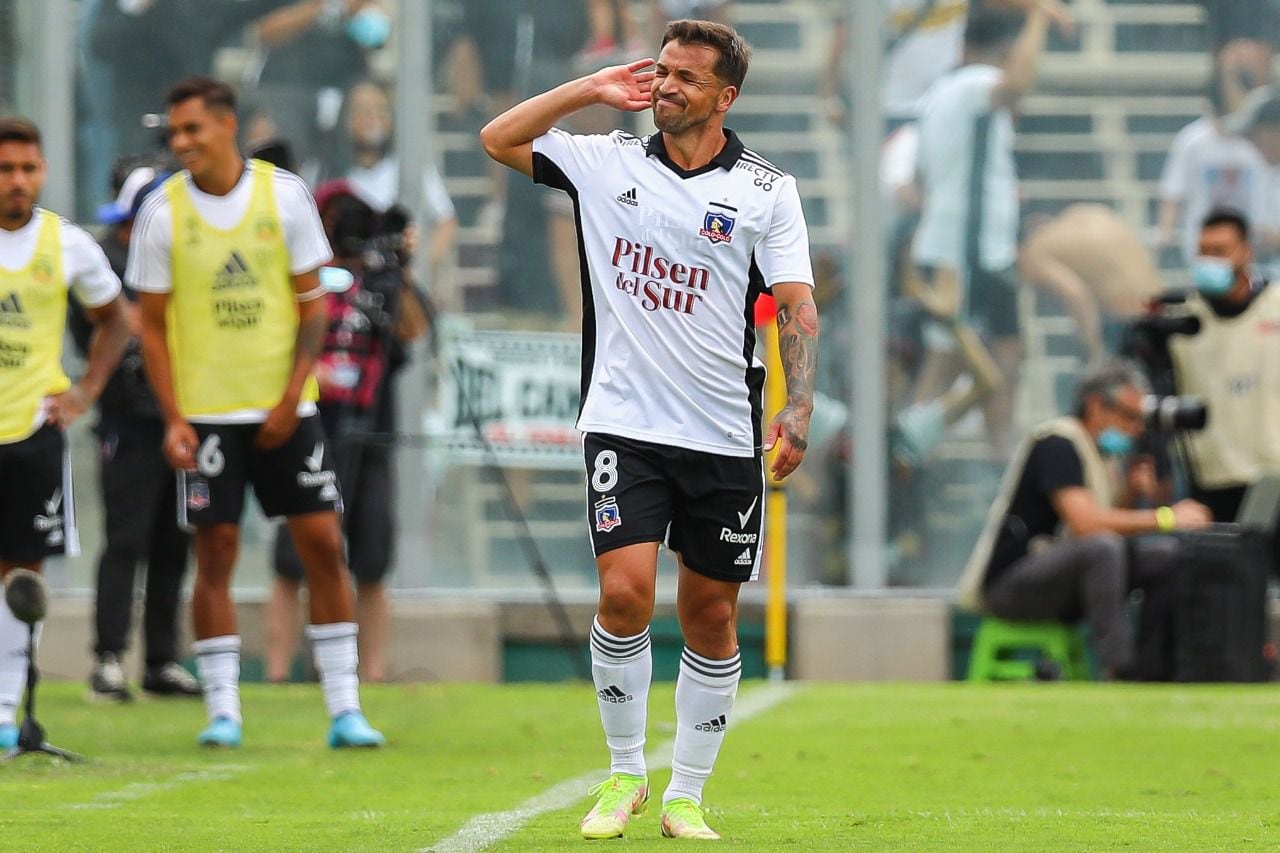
{"type": "Point", "coordinates": [735, 53]}
{"type": "Point", "coordinates": [214, 93]}
{"type": "Point", "coordinates": [14, 129]}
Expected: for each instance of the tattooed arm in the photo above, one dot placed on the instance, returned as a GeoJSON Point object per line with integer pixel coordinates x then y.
{"type": "Point", "coordinates": [798, 348]}
{"type": "Point", "coordinates": [313, 326]}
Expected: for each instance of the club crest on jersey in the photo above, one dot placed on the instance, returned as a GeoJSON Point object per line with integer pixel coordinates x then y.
{"type": "Point", "coordinates": [607, 515]}
{"type": "Point", "coordinates": [717, 227]}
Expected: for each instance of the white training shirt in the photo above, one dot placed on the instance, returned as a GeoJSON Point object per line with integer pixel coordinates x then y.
{"type": "Point", "coordinates": [149, 269]}
{"type": "Point", "coordinates": [1206, 169]}
{"type": "Point", "coordinates": [85, 266]}
{"type": "Point", "coordinates": [672, 262]}
{"type": "Point", "coordinates": [965, 143]}
{"type": "Point", "coordinates": [379, 187]}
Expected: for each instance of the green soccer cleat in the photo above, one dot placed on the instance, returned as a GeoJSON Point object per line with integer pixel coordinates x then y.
{"type": "Point", "coordinates": [621, 796]}
{"type": "Point", "coordinates": [682, 818]}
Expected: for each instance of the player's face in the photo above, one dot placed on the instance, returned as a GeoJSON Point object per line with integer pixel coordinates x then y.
{"type": "Point", "coordinates": [686, 91]}
{"type": "Point", "coordinates": [22, 174]}
{"type": "Point", "coordinates": [201, 138]}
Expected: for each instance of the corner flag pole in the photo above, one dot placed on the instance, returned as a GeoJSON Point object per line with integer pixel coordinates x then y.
{"type": "Point", "coordinates": [775, 535]}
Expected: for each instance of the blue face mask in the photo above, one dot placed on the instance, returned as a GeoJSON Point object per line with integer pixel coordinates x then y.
{"type": "Point", "coordinates": [1212, 276]}
{"type": "Point", "coordinates": [370, 28]}
{"type": "Point", "coordinates": [1113, 442]}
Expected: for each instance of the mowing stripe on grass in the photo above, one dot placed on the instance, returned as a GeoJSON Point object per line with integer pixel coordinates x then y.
{"type": "Point", "coordinates": [486, 829]}
{"type": "Point", "coordinates": [138, 790]}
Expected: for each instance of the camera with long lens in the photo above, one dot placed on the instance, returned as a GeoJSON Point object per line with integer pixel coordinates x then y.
{"type": "Point", "coordinates": [1171, 413]}
{"type": "Point", "coordinates": [1147, 339]}
{"type": "Point", "coordinates": [375, 243]}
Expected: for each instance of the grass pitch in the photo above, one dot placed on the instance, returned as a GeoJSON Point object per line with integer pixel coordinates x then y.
{"type": "Point", "coordinates": [876, 767]}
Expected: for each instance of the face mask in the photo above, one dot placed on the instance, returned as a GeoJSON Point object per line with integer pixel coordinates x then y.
{"type": "Point", "coordinates": [370, 28]}
{"type": "Point", "coordinates": [1212, 276]}
{"type": "Point", "coordinates": [1113, 442]}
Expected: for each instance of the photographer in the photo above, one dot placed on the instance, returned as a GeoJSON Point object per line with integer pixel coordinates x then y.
{"type": "Point", "coordinates": [1056, 544]}
{"type": "Point", "coordinates": [369, 325]}
{"type": "Point", "coordinates": [1233, 364]}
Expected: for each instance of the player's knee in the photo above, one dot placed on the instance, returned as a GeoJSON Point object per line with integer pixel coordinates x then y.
{"type": "Point", "coordinates": [626, 600]}
{"type": "Point", "coordinates": [709, 618]}
{"type": "Point", "coordinates": [216, 549]}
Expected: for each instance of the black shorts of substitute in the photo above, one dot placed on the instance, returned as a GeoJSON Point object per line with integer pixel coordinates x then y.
{"type": "Point", "coordinates": [37, 515]}
{"type": "Point", "coordinates": [706, 507]}
{"type": "Point", "coordinates": [296, 478]}
{"type": "Point", "coordinates": [993, 302]}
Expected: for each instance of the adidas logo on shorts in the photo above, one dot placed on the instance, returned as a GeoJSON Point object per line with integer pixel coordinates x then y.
{"type": "Point", "coordinates": [744, 559]}
{"type": "Point", "coordinates": [719, 724]}
{"type": "Point", "coordinates": [614, 695]}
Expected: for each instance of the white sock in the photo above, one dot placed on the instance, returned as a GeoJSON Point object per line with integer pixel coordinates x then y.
{"type": "Point", "coordinates": [14, 637]}
{"type": "Point", "coordinates": [622, 668]}
{"type": "Point", "coordinates": [218, 665]}
{"type": "Point", "coordinates": [705, 690]}
{"type": "Point", "coordinates": [334, 648]}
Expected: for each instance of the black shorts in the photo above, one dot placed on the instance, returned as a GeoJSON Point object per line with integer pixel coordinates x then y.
{"type": "Point", "coordinates": [37, 514]}
{"type": "Point", "coordinates": [294, 479]}
{"type": "Point", "coordinates": [706, 507]}
{"type": "Point", "coordinates": [992, 302]}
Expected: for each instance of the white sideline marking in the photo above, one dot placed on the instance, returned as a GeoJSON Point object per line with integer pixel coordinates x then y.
{"type": "Point", "coordinates": [486, 829]}
{"type": "Point", "coordinates": [138, 790]}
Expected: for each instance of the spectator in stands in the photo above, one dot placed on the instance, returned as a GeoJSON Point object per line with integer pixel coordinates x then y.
{"type": "Point", "coordinates": [1057, 544]}
{"type": "Point", "coordinates": [139, 490]}
{"type": "Point", "coordinates": [1242, 40]}
{"type": "Point", "coordinates": [374, 172]}
{"type": "Point", "coordinates": [1209, 166]}
{"type": "Point", "coordinates": [311, 51]}
{"type": "Point", "coordinates": [1231, 363]}
{"type": "Point", "coordinates": [1097, 266]}
{"type": "Point", "coordinates": [925, 40]}
{"type": "Point", "coordinates": [966, 244]}
{"type": "Point", "coordinates": [369, 326]}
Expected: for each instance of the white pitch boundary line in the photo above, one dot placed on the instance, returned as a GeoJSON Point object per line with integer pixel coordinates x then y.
{"type": "Point", "coordinates": [487, 829]}
{"type": "Point", "coordinates": [138, 790]}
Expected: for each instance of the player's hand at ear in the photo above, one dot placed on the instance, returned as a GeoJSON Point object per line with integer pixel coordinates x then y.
{"type": "Point", "coordinates": [790, 433]}
{"type": "Point", "coordinates": [625, 87]}
{"type": "Point", "coordinates": [281, 423]}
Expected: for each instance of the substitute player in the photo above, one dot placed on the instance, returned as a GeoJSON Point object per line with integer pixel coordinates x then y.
{"type": "Point", "coordinates": [679, 233]}
{"type": "Point", "coordinates": [41, 255]}
{"type": "Point", "coordinates": [225, 256]}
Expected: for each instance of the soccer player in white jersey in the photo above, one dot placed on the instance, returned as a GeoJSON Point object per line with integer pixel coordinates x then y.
{"type": "Point", "coordinates": [41, 255]}
{"type": "Point", "coordinates": [679, 233]}
{"type": "Point", "coordinates": [226, 257]}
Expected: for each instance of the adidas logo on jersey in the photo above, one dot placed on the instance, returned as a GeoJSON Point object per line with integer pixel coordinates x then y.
{"type": "Point", "coordinates": [744, 559]}
{"type": "Point", "coordinates": [629, 197]}
{"type": "Point", "coordinates": [614, 695]}
{"type": "Point", "coordinates": [235, 273]}
{"type": "Point", "coordinates": [719, 724]}
{"type": "Point", "coordinates": [12, 313]}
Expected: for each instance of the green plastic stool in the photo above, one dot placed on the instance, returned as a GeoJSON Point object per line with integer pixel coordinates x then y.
{"type": "Point", "coordinates": [998, 639]}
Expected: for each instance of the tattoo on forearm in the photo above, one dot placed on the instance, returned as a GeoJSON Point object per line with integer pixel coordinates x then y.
{"type": "Point", "coordinates": [798, 349]}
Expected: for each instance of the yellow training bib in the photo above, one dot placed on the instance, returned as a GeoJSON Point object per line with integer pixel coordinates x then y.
{"type": "Point", "coordinates": [233, 313]}
{"type": "Point", "coordinates": [33, 314]}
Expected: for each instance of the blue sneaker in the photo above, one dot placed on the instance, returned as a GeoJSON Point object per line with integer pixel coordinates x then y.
{"type": "Point", "coordinates": [8, 736]}
{"type": "Point", "coordinates": [222, 732]}
{"type": "Point", "coordinates": [352, 729]}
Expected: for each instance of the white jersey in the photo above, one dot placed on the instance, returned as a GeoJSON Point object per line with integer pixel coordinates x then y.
{"type": "Point", "coordinates": [967, 172]}
{"type": "Point", "coordinates": [149, 249]}
{"type": "Point", "coordinates": [86, 268]}
{"type": "Point", "coordinates": [672, 263]}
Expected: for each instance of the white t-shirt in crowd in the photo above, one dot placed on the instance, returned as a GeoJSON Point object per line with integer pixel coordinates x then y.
{"type": "Point", "coordinates": [673, 261]}
{"type": "Point", "coordinates": [931, 48]}
{"type": "Point", "coordinates": [1207, 168]}
{"type": "Point", "coordinates": [957, 122]}
{"type": "Point", "coordinates": [85, 266]}
{"type": "Point", "coordinates": [150, 249]}
{"type": "Point", "coordinates": [379, 186]}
